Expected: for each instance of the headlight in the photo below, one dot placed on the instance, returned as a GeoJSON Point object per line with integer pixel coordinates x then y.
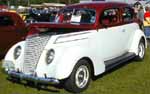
{"type": "Point", "coordinates": [17, 52]}
{"type": "Point", "coordinates": [50, 56]}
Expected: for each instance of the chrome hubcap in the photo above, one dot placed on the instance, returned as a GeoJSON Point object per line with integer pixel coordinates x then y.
{"type": "Point", "coordinates": [82, 76]}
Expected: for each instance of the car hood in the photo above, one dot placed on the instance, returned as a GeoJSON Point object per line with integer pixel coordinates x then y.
{"type": "Point", "coordinates": [58, 28]}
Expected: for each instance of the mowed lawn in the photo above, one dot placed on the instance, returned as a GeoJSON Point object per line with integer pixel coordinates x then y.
{"type": "Point", "coordinates": [130, 78]}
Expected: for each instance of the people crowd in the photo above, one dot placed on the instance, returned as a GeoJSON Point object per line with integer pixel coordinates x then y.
{"type": "Point", "coordinates": [146, 22]}
{"type": "Point", "coordinates": [143, 14]}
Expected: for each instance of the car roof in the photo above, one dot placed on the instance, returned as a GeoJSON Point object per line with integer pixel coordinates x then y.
{"type": "Point", "coordinates": [92, 5]}
{"type": "Point", "coordinates": [97, 5]}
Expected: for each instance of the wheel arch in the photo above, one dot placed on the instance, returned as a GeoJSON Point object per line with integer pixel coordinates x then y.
{"type": "Point", "coordinates": [91, 65]}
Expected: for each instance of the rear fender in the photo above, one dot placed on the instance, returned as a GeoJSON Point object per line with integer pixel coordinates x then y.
{"type": "Point", "coordinates": [135, 41]}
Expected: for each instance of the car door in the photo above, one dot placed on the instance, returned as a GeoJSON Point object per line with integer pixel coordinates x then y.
{"type": "Point", "coordinates": [111, 39]}
{"type": "Point", "coordinates": [128, 25]}
{"type": "Point", "coordinates": [8, 33]}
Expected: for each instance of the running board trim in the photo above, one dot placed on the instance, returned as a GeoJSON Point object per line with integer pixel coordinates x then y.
{"type": "Point", "coordinates": [119, 60]}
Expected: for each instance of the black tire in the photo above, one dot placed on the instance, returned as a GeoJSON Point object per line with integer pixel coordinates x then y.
{"type": "Point", "coordinates": [78, 76]}
{"type": "Point", "coordinates": [141, 51]}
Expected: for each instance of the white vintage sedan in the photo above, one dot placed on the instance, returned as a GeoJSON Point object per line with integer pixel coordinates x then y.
{"type": "Point", "coordinates": [85, 40]}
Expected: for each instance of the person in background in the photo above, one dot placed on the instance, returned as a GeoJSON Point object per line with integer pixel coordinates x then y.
{"type": "Point", "coordinates": [147, 22]}
{"type": "Point", "coordinates": [147, 15]}
{"type": "Point", "coordinates": [138, 10]}
{"type": "Point", "coordinates": [140, 14]}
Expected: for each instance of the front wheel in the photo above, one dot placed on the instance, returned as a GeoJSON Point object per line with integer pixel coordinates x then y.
{"type": "Point", "coordinates": [141, 51]}
{"type": "Point", "coordinates": [79, 78]}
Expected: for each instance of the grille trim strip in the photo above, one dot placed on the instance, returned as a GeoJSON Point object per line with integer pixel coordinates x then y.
{"type": "Point", "coordinates": [33, 50]}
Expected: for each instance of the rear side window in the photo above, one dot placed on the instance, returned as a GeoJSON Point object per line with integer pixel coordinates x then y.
{"type": "Point", "coordinates": [6, 21]}
{"type": "Point", "coordinates": [128, 14]}
{"type": "Point", "coordinates": [110, 17]}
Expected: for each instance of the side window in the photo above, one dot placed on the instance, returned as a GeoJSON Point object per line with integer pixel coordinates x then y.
{"type": "Point", "coordinates": [110, 17]}
{"type": "Point", "coordinates": [6, 21]}
{"type": "Point", "coordinates": [127, 15]}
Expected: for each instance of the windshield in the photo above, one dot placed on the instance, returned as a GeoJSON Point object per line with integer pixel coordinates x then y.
{"type": "Point", "coordinates": [80, 15]}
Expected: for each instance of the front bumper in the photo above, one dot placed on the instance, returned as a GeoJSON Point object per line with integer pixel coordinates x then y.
{"type": "Point", "coordinates": [25, 77]}
{"type": "Point", "coordinates": [9, 68]}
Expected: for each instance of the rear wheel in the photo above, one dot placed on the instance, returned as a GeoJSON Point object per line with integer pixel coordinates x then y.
{"type": "Point", "coordinates": [79, 78]}
{"type": "Point", "coordinates": [141, 51]}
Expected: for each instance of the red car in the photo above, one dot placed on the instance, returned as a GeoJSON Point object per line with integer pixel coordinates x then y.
{"type": "Point", "coordinates": [12, 30]}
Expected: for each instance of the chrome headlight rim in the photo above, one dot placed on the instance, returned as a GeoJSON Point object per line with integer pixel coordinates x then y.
{"type": "Point", "coordinates": [50, 55]}
{"type": "Point", "coordinates": [17, 52]}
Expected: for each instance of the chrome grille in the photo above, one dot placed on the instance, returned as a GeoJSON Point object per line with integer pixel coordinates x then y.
{"type": "Point", "coordinates": [33, 49]}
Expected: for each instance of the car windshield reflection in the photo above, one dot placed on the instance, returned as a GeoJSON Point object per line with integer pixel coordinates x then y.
{"type": "Point", "coordinates": [83, 16]}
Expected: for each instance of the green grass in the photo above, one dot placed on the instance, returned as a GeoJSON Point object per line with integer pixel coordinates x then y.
{"type": "Point", "coordinates": [132, 78]}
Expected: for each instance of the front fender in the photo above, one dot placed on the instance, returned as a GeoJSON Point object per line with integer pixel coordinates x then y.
{"type": "Point", "coordinates": [10, 55]}
{"type": "Point", "coordinates": [71, 57]}
{"type": "Point", "coordinates": [68, 61]}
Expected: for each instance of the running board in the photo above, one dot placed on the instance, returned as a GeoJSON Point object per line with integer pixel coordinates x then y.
{"type": "Point", "coordinates": [119, 60]}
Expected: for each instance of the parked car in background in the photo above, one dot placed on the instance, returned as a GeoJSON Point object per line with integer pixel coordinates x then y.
{"type": "Point", "coordinates": [12, 30]}
{"type": "Point", "coordinates": [86, 40]}
{"type": "Point", "coordinates": [45, 12]}
{"type": "Point", "coordinates": [40, 15]}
